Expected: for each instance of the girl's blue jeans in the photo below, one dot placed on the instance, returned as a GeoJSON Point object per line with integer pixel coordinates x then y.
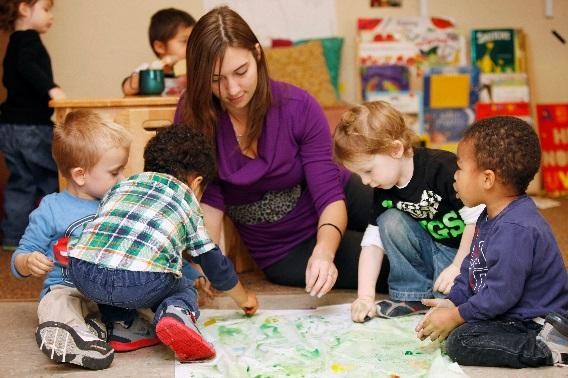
{"type": "Point", "coordinates": [498, 343]}
{"type": "Point", "coordinates": [416, 260]}
{"type": "Point", "coordinates": [33, 174]}
{"type": "Point", "coordinates": [132, 290]}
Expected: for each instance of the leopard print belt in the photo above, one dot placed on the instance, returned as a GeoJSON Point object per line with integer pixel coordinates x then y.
{"type": "Point", "coordinates": [272, 207]}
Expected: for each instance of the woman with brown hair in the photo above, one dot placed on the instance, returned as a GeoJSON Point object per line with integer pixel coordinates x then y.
{"type": "Point", "coordinates": [301, 216]}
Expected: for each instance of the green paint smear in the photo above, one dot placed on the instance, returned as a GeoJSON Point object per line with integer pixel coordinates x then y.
{"type": "Point", "coordinates": [311, 354]}
{"type": "Point", "coordinates": [229, 331]}
{"type": "Point", "coordinates": [269, 329]}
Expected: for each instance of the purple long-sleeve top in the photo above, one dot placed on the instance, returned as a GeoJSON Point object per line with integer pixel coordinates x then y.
{"type": "Point", "coordinates": [294, 148]}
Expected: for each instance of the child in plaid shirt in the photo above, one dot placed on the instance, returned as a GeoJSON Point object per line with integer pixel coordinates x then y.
{"type": "Point", "coordinates": [130, 256]}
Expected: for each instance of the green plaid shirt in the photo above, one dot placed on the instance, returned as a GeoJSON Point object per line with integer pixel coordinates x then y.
{"type": "Point", "coordinates": [144, 224]}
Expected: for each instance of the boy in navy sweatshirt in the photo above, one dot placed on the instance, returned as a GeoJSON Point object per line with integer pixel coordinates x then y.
{"type": "Point", "coordinates": [514, 275]}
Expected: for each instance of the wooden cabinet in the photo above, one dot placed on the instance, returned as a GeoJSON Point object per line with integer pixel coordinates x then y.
{"type": "Point", "coordinates": [142, 116]}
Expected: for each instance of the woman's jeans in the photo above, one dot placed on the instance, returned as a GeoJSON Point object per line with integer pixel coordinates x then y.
{"type": "Point", "coordinates": [498, 343]}
{"type": "Point", "coordinates": [33, 174]}
{"type": "Point", "coordinates": [131, 290]}
{"type": "Point", "coordinates": [416, 260]}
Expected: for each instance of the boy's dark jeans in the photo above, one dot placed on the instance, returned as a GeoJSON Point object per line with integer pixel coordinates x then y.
{"type": "Point", "coordinates": [131, 290]}
{"type": "Point", "coordinates": [498, 343]}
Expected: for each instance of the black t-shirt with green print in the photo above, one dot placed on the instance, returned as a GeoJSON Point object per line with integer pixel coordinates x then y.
{"type": "Point", "coordinates": [429, 197]}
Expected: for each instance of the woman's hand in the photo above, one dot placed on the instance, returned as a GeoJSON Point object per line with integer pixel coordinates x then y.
{"type": "Point", "coordinates": [321, 272]}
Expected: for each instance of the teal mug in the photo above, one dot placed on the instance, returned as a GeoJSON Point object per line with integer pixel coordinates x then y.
{"type": "Point", "coordinates": [151, 82]}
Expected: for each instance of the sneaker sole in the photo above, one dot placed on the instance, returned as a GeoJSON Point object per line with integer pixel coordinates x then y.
{"type": "Point", "coordinates": [120, 347]}
{"type": "Point", "coordinates": [61, 343]}
{"type": "Point", "coordinates": [187, 344]}
{"type": "Point", "coordinates": [393, 306]}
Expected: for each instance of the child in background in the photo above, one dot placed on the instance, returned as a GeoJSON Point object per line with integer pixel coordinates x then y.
{"type": "Point", "coordinates": [417, 219]}
{"type": "Point", "coordinates": [168, 33]}
{"type": "Point", "coordinates": [25, 117]}
{"type": "Point", "coordinates": [136, 241]}
{"type": "Point", "coordinates": [91, 154]}
{"type": "Point", "coordinates": [514, 275]}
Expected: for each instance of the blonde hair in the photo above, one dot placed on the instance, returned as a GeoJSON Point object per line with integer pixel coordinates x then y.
{"type": "Point", "coordinates": [83, 137]}
{"type": "Point", "coordinates": [369, 129]}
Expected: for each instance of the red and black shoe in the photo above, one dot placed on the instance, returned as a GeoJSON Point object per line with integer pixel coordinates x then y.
{"type": "Point", "coordinates": [178, 330]}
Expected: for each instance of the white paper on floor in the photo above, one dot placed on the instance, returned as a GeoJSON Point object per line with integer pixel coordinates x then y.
{"type": "Point", "coordinates": [314, 343]}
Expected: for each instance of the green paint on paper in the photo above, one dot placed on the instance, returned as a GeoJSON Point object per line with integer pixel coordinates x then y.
{"type": "Point", "coordinates": [310, 344]}
{"type": "Point", "coordinates": [229, 331]}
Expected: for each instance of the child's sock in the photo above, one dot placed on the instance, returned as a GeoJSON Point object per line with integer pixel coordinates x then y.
{"type": "Point", "coordinates": [391, 308]}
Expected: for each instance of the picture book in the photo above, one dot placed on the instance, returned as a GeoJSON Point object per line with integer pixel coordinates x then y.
{"type": "Point", "coordinates": [514, 109]}
{"type": "Point", "coordinates": [498, 50]}
{"type": "Point", "coordinates": [553, 130]}
{"type": "Point", "coordinates": [450, 87]}
{"type": "Point", "coordinates": [447, 125]}
{"type": "Point", "coordinates": [405, 28]}
{"type": "Point", "coordinates": [503, 87]}
{"type": "Point", "coordinates": [384, 78]}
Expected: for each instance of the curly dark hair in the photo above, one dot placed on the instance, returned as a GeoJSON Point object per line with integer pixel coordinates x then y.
{"type": "Point", "coordinates": [509, 147]}
{"type": "Point", "coordinates": [180, 151]}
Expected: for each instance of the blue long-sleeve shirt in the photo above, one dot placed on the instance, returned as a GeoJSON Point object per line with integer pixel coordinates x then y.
{"type": "Point", "coordinates": [514, 270]}
{"type": "Point", "coordinates": [48, 223]}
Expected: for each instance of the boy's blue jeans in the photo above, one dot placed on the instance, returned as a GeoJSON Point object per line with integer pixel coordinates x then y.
{"type": "Point", "coordinates": [498, 343]}
{"type": "Point", "coordinates": [416, 260]}
{"type": "Point", "coordinates": [33, 173]}
{"type": "Point", "coordinates": [131, 290]}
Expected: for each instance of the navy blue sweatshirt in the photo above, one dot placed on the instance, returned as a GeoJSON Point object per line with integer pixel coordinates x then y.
{"type": "Point", "coordinates": [514, 270]}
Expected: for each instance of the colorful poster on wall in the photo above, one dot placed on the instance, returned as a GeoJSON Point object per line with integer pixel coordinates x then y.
{"type": "Point", "coordinates": [553, 129]}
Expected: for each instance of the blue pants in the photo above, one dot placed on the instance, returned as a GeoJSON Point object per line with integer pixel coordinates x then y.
{"type": "Point", "coordinates": [498, 343]}
{"type": "Point", "coordinates": [132, 290]}
{"type": "Point", "coordinates": [33, 174]}
{"type": "Point", "coordinates": [416, 260]}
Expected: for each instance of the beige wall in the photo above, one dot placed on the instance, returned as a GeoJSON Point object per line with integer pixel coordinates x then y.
{"type": "Point", "coordinates": [95, 44]}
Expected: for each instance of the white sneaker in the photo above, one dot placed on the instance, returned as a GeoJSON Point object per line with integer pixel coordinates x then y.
{"type": "Point", "coordinates": [556, 342]}
{"type": "Point", "coordinates": [61, 343]}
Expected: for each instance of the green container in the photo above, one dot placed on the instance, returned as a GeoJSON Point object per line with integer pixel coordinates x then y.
{"type": "Point", "coordinates": [151, 82]}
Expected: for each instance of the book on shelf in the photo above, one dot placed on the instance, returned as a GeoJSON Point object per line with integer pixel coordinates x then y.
{"type": "Point", "coordinates": [403, 28]}
{"type": "Point", "coordinates": [503, 87]}
{"type": "Point", "coordinates": [447, 125]}
{"type": "Point", "coordinates": [384, 78]}
{"type": "Point", "coordinates": [553, 132]}
{"type": "Point", "coordinates": [498, 50]}
{"type": "Point", "coordinates": [515, 109]}
{"type": "Point", "coordinates": [450, 87]}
